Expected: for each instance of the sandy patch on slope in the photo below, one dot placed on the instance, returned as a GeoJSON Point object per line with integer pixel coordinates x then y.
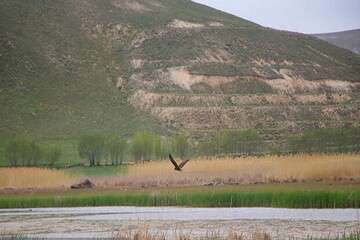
{"type": "Point", "coordinates": [183, 78]}
{"type": "Point", "coordinates": [133, 5]}
{"type": "Point", "coordinates": [176, 23]}
{"type": "Point", "coordinates": [290, 83]}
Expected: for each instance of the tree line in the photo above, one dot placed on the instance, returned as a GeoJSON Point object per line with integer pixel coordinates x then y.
{"type": "Point", "coordinates": [113, 149]}
{"type": "Point", "coordinates": [340, 140]}
{"type": "Point", "coordinates": [100, 149]}
{"type": "Point", "coordinates": [27, 152]}
{"type": "Point", "coordinates": [143, 146]}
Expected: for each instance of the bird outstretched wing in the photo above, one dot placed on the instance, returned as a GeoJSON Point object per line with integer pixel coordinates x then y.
{"type": "Point", "coordinates": [182, 164]}
{"type": "Point", "coordinates": [173, 161]}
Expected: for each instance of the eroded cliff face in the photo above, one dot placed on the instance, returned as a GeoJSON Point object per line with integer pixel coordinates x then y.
{"type": "Point", "coordinates": [277, 107]}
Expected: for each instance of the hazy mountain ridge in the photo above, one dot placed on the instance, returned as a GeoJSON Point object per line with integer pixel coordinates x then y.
{"type": "Point", "coordinates": [347, 39]}
{"type": "Point", "coordinates": [121, 65]}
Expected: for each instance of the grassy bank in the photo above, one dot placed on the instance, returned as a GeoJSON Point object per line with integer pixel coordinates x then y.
{"type": "Point", "coordinates": [256, 196]}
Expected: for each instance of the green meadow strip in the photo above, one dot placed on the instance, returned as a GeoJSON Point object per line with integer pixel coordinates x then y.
{"type": "Point", "coordinates": [301, 199]}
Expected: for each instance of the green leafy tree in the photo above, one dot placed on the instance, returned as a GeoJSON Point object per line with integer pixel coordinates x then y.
{"type": "Point", "coordinates": [142, 146]}
{"type": "Point", "coordinates": [162, 147]}
{"type": "Point", "coordinates": [13, 153]}
{"type": "Point", "coordinates": [34, 153]}
{"type": "Point", "coordinates": [92, 147]}
{"type": "Point", "coordinates": [180, 146]}
{"type": "Point", "coordinates": [116, 148]}
{"type": "Point", "coordinates": [233, 142]}
{"type": "Point", "coordinates": [326, 140]}
{"type": "Point", "coordinates": [53, 156]}
{"type": "Point", "coordinates": [23, 152]}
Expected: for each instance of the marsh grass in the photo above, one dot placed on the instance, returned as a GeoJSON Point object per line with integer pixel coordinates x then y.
{"type": "Point", "coordinates": [301, 166]}
{"type": "Point", "coordinates": [220, 171]}
{"type": "Point", "coordinates": [283, 176]}
{"type": "Point", "coordinates": [216, 235]}
{"type": "Point", "coordinates": [267, 169]}
{"type": "Point", "coordinates": [192, 198]}
{"type": "Point", "coordinates": [33, 178]}
{"type": "Point", "coordinates": [351, 236]}
{"type": "Point", "coordinates": [146, 235]}
{"type": "Point", "coordinates": [97, 171]}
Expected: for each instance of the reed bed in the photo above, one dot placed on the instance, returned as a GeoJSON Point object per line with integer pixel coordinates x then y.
{"type": "Point", "coordinates": [249, 170]}
{"type": "Point", "coordinates": [199, 172]}
{"type": "Point", "coordinates": [293, 166]}
{"type": "Point", "coordinates": [20, 178]}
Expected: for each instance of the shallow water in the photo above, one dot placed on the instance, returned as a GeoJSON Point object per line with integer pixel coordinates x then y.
{"type": "Point", "coordinates": [106, 221]}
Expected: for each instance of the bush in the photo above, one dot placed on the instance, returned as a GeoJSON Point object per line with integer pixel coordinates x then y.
{"type": "Point", "coordinates": [92, 147]}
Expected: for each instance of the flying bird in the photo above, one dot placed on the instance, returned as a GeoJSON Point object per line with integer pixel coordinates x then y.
{"type": "Point", "coordinates": [180, 166]}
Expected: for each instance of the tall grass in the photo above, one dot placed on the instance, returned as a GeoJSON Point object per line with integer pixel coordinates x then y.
{"type": "Point", "coordinates": [33, 178]}
{"type": "Point", "coordinates": [228, 171]}
{"type": "Point", "coordinates": [194, 198]}
{"type": "Point", "coordinates": [251, 170]}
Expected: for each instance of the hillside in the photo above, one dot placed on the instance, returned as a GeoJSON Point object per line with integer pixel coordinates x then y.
{"type": "Point", "coordinates": [68, 67]}
{"type": "Point", "coordinates": [348, 39]}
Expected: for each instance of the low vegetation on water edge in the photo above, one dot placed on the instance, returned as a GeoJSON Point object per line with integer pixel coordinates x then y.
{"type": "Point", "coordinates": [280, 196]}
{"type": "Point", "coordinates": [146, 235]}
{"type": "Point", "coordinates": [270, 181]}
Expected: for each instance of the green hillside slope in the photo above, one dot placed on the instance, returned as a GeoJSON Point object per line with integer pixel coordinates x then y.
{"type": "Point", "coordinates": [68, 67]}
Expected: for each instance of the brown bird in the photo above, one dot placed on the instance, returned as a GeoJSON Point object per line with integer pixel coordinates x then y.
{"type": "Point", "coordinates": [178, 167]}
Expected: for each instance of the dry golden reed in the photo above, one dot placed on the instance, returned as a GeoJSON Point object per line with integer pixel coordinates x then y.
{"type": "Point", "coordinates": [33, 178]}
{"type": "Point", "coordinates": [300, 167]}
{"type": "Point", "coordinates": [247, 170]}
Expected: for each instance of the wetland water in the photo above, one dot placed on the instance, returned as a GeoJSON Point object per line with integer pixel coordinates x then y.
{"type": "Point", "coordinates": [98, 222]}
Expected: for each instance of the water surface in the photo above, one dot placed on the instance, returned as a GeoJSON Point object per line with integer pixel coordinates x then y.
{"type": "Point", "coordinates": [105, 221]}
